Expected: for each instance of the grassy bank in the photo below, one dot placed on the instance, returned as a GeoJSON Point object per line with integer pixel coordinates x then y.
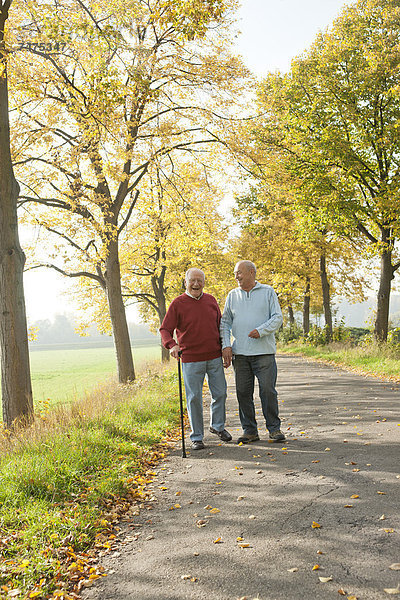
{"type": "Point", "coordinates": [377, 360]}
{"type": "Point", "coordinates": [64, 375]}
{"type": "Point", "coordinates": [63, 483]}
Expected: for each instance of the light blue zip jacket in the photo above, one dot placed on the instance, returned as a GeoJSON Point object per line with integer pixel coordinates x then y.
{"type": "Point", "coordinates": [244, 311]}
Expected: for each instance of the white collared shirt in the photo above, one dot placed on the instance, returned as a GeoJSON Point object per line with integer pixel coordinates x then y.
{"type": "Point", "coordinates": [194, 297]}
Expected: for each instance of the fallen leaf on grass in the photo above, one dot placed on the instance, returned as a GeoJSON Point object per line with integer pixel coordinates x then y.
{"type": "Point", "coordinates": [325, 579]}
{"type": "Point", "coordinates": [395, 567]}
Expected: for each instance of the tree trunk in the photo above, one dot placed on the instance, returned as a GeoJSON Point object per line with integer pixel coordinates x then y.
{"type": "Point", "coordinates": [126, 371]}
{"type": "Point", "coordinates": [383, 298]}
{"type": "Point", "coordinates": [159, 293]}
{"type": "Point", "coordinates": [306, 308]}
{"type": "Point", "coordinates": [15, 371]}
{"type": "Point", "coordinates": [291, 316]}
{"type": "Point", "coordinates": [326, 295]}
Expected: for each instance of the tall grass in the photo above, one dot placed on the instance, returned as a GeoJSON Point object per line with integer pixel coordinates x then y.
{"type": "Point", "coordinates": [380, 360]}
{"type": "Point", "coordinates": [58, 478]}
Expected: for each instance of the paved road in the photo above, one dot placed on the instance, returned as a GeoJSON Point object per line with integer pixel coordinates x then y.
{"type": "Point", "coordinates": [342, 440]}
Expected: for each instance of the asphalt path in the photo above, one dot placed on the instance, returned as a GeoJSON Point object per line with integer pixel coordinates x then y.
{"type": "Point", "coordinates": [268, 521]}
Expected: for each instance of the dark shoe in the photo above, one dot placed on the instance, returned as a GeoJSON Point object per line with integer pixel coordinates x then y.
{"type": "Point", "coordinates": [277, 436]}
{"type": "Point", "coordinates": [223, 435]}
{"type": "Point", "coordinates": [246, 438]}
{"type": "Point", "coordinates": [198, 445]}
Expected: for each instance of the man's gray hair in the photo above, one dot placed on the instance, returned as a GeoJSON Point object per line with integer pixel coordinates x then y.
{"type": "Point", "coordinates": [250, 265]}
{"type": "Point", "coordinates": [187, 274]}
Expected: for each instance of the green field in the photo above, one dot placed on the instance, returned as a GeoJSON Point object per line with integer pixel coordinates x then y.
{"type": "Point", "coordinates": [64, 375]}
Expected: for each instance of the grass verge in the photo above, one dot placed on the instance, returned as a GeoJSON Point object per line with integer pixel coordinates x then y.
{"type": "Point", "coordinates": [377, 360]}
{"type": "Point", "coordinates": [65, 482]}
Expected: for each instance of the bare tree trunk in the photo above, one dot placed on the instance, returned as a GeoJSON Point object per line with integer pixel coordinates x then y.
{"type": "Point", "coordinates": [306, 308]}
{"type": "Point", "coordinates": [291, 316]}
{"type": "Point", "coordinates": [157, 283]}
{"type": "Point", "coordinates": [15, 370]}
{"type": "Point", "coordinates": [383, 298]}
{"type": "Point", "coordinates": [326, 295]}
{"type": "Point", "coordinates": [126, 371]}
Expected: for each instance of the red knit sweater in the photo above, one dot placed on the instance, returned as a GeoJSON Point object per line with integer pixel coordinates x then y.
{"type": "Point", "coordinates": [196, 323]}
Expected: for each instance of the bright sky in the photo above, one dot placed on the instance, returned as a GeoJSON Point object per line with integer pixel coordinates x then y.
{"type": "Point", "coordinates": [272, 33]}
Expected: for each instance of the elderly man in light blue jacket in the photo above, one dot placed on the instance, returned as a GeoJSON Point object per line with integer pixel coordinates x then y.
{"type": "Point", "coordinates": [251, 316]}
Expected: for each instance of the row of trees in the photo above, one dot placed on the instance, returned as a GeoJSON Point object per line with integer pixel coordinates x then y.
{"type": "Point", "coordinates": [327, 146]}
{"type": "Point", "coordinates": [127, 121]}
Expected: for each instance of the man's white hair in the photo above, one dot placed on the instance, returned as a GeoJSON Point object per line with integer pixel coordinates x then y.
{"type": "Point", "coordinates": [187, 274]}
{"type": "Point", "coordinates": [249, 265]}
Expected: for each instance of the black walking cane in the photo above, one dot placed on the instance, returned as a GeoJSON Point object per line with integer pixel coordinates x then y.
{"type": "Point", "coordinates": [181, 404]}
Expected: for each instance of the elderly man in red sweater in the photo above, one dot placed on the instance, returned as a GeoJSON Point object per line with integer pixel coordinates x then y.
{"type": "Point", "coordinates": [195, 318]}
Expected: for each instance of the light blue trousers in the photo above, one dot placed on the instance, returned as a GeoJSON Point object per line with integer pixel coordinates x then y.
{"type": "Point", "coordinates": [193, 377]}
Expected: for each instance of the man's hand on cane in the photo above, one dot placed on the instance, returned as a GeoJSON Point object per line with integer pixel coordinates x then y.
{"type": "Point", "coordinates": [174, 351]}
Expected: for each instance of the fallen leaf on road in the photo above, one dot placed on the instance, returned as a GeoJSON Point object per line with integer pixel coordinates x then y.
{"type": "Point", "coordinates": [218, 482]}
{"type": "Point", "coordinates": [252, 517]}
{"type": "Point", "coordinates": [316, 567]}
{"type": "Point", "coordinates": [178, 493]}
{"type": "Point", "coordinates": [388, 530]}
{"type": "Point", "coordinates": [354, 496]}
{"type": "Point", "coordinates": [392, 590]}
{"type": "Point", "coordinates": [316, 461]}
{"type": "Point", "coordinates": [258, 472]}
{"type": "Point", "coordinates": [395, 567]}
{"type": "Point", "coordinates": [218, 541]}
{"type": "Point", "coordinates": [325, 579]}
{"type": "Point", "coordinates": [351, 597]}
{"type": "Point", "coordinates": [208, 507]}
{"type": "Point", "coordinates": [320, 552]}
{"type": "Point", "coordinates": [315, 525]}
{"type": "Point", "coordinates": [244, 545]}
{"type": "Point", "coordinates": [239, 498]}
{"type": "Point", "coordinates": [293, 570]}
{"type": "Point", "coordinates": [348, 506]}
{"type": "Point", "coordinates": [327, 449]}
{"type": "Point", "coordinates": [382, 518]}
{"type": "Point", "coordinates": [341, 592]}
{"type": "Point", "coordinates": [381, 493]}
{"type": "Point", "coordinates": [215, 510]}
{"type": "Point", "coordinates": [201, 523]}
{"type": "Point", "coordinates": [239, 539]}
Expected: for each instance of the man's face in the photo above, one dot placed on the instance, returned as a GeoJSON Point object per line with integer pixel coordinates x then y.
{"type": "Point", "coordinates": [195, 283]}
{"type": "Point", "coordinates": [244, 276]}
